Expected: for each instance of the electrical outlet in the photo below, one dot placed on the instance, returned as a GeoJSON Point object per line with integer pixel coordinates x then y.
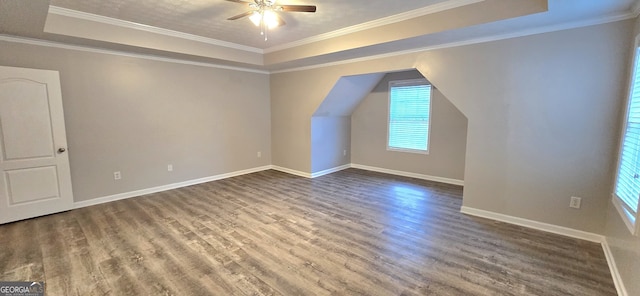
{"type": "Point", "coordinates": [259, 154]}
{"type": "Point", "coordinates": [117, 175]}
{"type": "Point", "coordinates": [344, 152]}
{"type": "Point", "coordinates": [170, 168]}
{"type": "Point", "coordinates": [575, 202]}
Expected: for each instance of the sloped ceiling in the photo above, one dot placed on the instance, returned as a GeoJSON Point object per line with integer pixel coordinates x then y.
{"type": "Point", "coordinates": [346, 94]}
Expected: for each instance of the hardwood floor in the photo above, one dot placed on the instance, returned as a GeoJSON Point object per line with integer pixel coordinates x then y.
{"type": "Point", "coordinates": [349, 233]}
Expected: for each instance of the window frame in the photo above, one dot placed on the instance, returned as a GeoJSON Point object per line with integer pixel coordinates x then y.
{"type": "Point", "coordinates": [630, 219]}
{"type": "Point", "coordinates": [409, 82]}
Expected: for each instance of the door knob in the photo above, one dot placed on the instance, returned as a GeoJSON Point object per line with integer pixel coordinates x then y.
{"type": "Point", "coordinates": [61, 150]}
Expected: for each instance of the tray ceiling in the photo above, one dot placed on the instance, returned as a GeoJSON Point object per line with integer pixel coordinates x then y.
{"type": "Point", "coordinates": [207, 18]}
{"type": "Point", "coordinates": [196, 31]}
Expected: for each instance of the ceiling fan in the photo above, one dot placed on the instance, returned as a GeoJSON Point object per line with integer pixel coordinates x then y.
{"type": "Point", "coordinates": [263, 13]}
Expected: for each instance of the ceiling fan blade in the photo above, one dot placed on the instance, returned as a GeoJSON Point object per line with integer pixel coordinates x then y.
{"type": "Point", "coordinates": [297, 8]}
{"type": "Point", "coordinates": [240, 15]}
{"type": "Point", "coordinates": [240, 1]}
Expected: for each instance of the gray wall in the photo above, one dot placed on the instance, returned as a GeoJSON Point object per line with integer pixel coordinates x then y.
{"type": "Point", "coordinates": [330, 137]}
{"type": "Point", "coordinates": [137, 116]}
{"type": "Point", "coordinates": [331, 121]}
{"type": "Point", "coordinates": [625, 247]}
{"type": "Point", "coordinates": [291, 112]}
{"type": "Point", "coordinates": [447, 140]}
{"type": "Point", "coordinates": [542, 113]}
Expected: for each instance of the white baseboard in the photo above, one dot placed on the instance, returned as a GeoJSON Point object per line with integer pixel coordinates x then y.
{"type": "Point", "coordinates": [125, 195]}
{"type": "Point", "coordinates": [570, 232]}
{"type": "Point", "coordinates": [613, 268]}
{"type": "Point", "coordinates": [579, 234]}
{"type": "Point", "coordinates": [310, 175]}
{"type": "Point", "coordinates": [408, 174]}
{"type": "Point", "coordinates": [290, 171]}
{"type": "Point", "coordinates": [329, 171]}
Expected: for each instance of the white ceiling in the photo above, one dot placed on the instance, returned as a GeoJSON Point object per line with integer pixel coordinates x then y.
{"type": "Point", "coordinates": [207, 18]}
{"type": "Point", "coordinates": [197, 30]}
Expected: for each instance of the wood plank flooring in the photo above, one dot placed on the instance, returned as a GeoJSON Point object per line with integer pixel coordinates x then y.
{"type": "Point", "coordinates": [349, 233]}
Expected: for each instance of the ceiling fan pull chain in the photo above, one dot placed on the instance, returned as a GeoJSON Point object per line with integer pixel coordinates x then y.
{"type": "Point", "coordinates": [262, 26]}
{"type": "Point", "coordinates": [266, 30]}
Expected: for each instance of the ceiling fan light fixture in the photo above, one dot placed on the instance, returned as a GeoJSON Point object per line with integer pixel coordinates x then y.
{"type": "Point", "coordinates": [266, 17]}
{"type": "Point", "coordinates": [270, 19]}
{"type": "Point", "coordinates": [255, 18]}
{"type": "Point", "coordinates": [264, 13]}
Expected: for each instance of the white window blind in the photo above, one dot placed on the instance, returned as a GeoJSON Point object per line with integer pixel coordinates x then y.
{"type": "Point", "coordinates": [409, 111]}
{"type": "Point", "coordinates": [628, 179]}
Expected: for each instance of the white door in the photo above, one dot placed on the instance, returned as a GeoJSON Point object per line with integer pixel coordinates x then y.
{"type": "Point", "coordinates": [34, 164]}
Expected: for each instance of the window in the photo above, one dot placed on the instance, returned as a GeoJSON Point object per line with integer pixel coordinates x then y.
{"type": "Point", "coordinates": [409, 113]}
{"type": "Point", "coordinates": [627, 187]}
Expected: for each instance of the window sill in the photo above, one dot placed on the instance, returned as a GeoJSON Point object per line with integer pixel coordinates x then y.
{"type": "Point", "coordinates": [627, 217]}
{"type": "Point", "coordinates": [425, 152]}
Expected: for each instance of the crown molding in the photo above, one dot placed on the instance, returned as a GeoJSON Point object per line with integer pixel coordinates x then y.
{"type": "Point", "coordinates": [151, 29]}
{"type": "Point", "coordinates": [632, 13]}
{"type": "Point", "coordinates": [522, 33]}
{"type": "Point", "coordinates": [438, 7]}
{"type": "Point", "coordinates": [47, 43]}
